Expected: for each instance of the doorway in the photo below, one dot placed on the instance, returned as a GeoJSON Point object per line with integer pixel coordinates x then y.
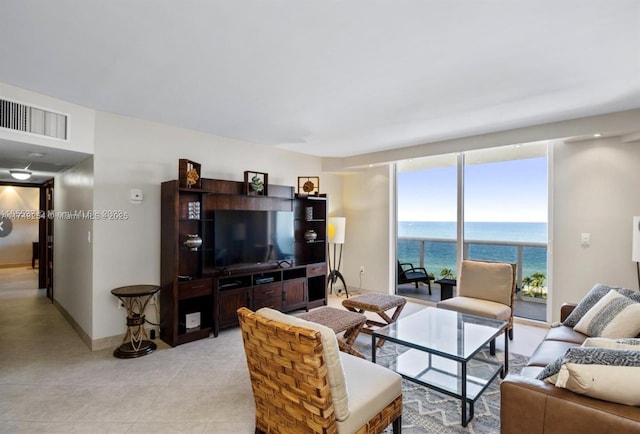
{"type": "Point", "coordinates": [45, 239]}
{"type": "Point", "coordinates": [26, 242]}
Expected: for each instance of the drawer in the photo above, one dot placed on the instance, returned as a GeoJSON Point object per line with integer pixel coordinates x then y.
{"type": "Point", "coordinates": [268, 292]}
{"type": "Point", "coordinates": [316, 270]}
{"type": "Point", "coordinates": [194, 288]}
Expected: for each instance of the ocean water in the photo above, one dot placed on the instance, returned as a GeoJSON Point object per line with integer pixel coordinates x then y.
{"type": "Point", "coordinates": [439, 255]}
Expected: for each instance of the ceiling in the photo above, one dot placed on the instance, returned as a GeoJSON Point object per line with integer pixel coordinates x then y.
{"type": "Point", "coordinates": [327, 77]}
{"type": "Point", "coordinates": [43, 162]}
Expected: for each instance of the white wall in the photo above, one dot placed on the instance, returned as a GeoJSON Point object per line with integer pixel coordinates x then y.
{"type": "Point", "coordinates": [596, 191]}
{"type": "Point", "coordinates": [72, 250]}
{"type": "Point", "coordinates": [367, 208]}
{"type": "Point", "coordinates": [16, 248]}
{"type": "Point", "coordinates": [131, 153]}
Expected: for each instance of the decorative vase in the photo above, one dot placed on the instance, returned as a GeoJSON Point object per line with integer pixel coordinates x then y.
{"type": "Point", "coordinates": [310, 235]}
{"type": "Point", "coordinates": [193, 242]}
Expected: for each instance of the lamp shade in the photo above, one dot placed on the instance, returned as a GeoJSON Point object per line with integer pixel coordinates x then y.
{"type": "Point", "coordinates": [635, 247]}
{"type": "Point", "coordinates": [336, 229]}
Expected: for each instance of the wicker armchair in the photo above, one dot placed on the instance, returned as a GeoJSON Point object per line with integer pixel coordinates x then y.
{"type": "Point", "coordinates": [290, 365]}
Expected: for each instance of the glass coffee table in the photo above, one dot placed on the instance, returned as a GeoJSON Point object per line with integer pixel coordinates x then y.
{"type": "Point", "coordinates": [443, 346]}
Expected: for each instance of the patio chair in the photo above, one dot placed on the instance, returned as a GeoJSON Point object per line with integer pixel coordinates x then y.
{"type": "Point", "coordinates": [302, 383]}
{"type": "Point", "coordinates": [486, 289]}
{"type": "Point", "coordinates": [407, 273]}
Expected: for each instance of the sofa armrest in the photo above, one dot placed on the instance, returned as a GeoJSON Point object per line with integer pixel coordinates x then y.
{"type": "Point", "coordinates": [565, 310]}
{"type": "Point", "coordinates": [530, 406]}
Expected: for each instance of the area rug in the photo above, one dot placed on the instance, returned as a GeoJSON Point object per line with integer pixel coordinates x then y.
{"type": "Point", "coordinates": [428, 411]}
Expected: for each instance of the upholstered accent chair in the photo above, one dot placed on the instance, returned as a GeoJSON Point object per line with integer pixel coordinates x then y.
{"type": "Point", "coordinates": [485, 289]}
{"type": "Point", "coordinates": [302, 383]}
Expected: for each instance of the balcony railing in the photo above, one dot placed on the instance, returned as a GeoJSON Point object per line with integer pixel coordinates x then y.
{"type": "Point", "coordinates": [508, 251]}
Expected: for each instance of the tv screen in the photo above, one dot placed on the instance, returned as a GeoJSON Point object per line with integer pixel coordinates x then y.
{"type": "Point", "coordinates": [243, 238]}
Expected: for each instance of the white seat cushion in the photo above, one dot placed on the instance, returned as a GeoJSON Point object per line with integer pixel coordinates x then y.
{"type": "Point", "coordinates": [477, 306]}
{"type": "Point", "coordinates": [370, 387]}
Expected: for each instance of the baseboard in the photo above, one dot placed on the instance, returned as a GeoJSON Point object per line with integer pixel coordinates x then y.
{"type": "Point", "coordinates": [93, 345]}
{"type": "Point", "coordinates": [21, 265]}
{"type": "Point", "coordinates": [85, 337]}
{"type": "Point", "coordinates": [531, 322]}
{"type": "Point", "coordinates": [108, 342]}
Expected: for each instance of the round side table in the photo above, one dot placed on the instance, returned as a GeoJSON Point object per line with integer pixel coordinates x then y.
{"type": "Point", "coordinates": [135, 299]}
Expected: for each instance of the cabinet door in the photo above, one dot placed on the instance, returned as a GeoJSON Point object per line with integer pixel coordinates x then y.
{"type": "Point", "coordinates": [229, 302]}
{"type": "Point", "coordinates": [295, 294]}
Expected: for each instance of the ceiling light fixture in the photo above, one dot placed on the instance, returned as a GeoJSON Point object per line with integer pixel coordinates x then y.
{"type": "Point", "coordinates": [21, 174]}
{"type": "Point", "coordinates": [597, 135]}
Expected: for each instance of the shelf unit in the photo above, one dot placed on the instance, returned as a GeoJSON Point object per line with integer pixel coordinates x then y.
{"type": "Point", "coordinates": [184, 289]}
{"type": "Point", "coordinates": [310, 213]}
{"type": "Point", "coordinates": [190, 282]}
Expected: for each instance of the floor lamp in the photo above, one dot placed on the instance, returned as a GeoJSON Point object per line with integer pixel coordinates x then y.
{"type": "Point", "coordinates": [336, 237]}
{"type": "Point", "coordinates": [635, 247]}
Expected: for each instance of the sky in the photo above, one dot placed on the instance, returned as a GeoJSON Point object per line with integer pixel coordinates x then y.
{"type": "Point", "coordinates": [505, 191]}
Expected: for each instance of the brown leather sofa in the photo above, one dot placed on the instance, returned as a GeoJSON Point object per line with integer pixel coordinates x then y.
{"type": "Point", "coordinates": [531, 406]}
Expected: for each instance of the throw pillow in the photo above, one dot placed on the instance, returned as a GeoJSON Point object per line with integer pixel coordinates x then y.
{"type": "Point", "coordinates": [622, 344]}
{"type": "Point", "coordinates": [602, 373]}
{"type": "Point", "coordinates": [597, 292]}
{"type": "Point", "coordinates": [614, 316]}
{"type": "Point", "coordinates": [550, 372]}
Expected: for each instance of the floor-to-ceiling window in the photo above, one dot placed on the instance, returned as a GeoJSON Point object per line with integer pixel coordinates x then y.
{"type": "Point", "coordinates": [505, 217]}
{"type": "Point", "coordinates": [499, 194]}
{"type": "Point", "coordinates": [427, 191]}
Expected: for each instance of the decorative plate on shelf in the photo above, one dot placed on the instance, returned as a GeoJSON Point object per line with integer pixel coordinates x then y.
{"type": "Point", "coordinates": [308, 185]}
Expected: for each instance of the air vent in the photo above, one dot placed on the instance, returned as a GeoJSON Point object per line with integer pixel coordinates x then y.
{"type": "Point", "coordinates": [20, 117]}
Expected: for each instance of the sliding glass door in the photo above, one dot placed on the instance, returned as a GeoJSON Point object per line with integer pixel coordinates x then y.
{"type": "Point", "coordinates": [499, 194]}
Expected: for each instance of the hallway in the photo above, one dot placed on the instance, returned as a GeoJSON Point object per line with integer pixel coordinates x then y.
{"type": "Point", "coordinates": [50, 382]}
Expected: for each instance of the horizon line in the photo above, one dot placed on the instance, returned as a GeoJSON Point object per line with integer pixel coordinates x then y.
{"type": "Point", "coordinates": [473, 221]}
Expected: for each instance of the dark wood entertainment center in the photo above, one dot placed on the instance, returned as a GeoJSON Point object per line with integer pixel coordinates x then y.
{"type": "Point", "coordinates": [191, 282]}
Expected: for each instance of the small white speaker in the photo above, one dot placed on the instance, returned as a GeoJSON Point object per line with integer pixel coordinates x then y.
{"type": "Point", "coordinates": [635, 247]}
{"type": "Point", "coordinates": [192, 320]}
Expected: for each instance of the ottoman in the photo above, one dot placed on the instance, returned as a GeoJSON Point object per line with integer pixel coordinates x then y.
{"type": "Point", "coordinates": [378, 304]}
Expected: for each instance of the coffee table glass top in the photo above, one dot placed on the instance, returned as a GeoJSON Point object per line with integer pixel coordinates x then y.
{"type": "Point", "coordinates": [441, 346]}
{"type": "Point", "coordinates": [447, 333]}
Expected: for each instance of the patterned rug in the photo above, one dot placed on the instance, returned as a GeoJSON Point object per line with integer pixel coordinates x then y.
{"type": "Point", "coordinates": [428, 411]}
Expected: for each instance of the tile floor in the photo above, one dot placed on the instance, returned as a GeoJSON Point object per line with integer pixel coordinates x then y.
{"type": "Point", "coordinates": [50, 382]}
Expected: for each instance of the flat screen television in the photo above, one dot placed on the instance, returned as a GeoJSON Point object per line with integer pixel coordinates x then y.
{"type": "Point", "coordinates": [246, 238]}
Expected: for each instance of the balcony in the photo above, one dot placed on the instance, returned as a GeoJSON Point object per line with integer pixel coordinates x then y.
{"type": "Point", "coordinates": [436, 254]}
